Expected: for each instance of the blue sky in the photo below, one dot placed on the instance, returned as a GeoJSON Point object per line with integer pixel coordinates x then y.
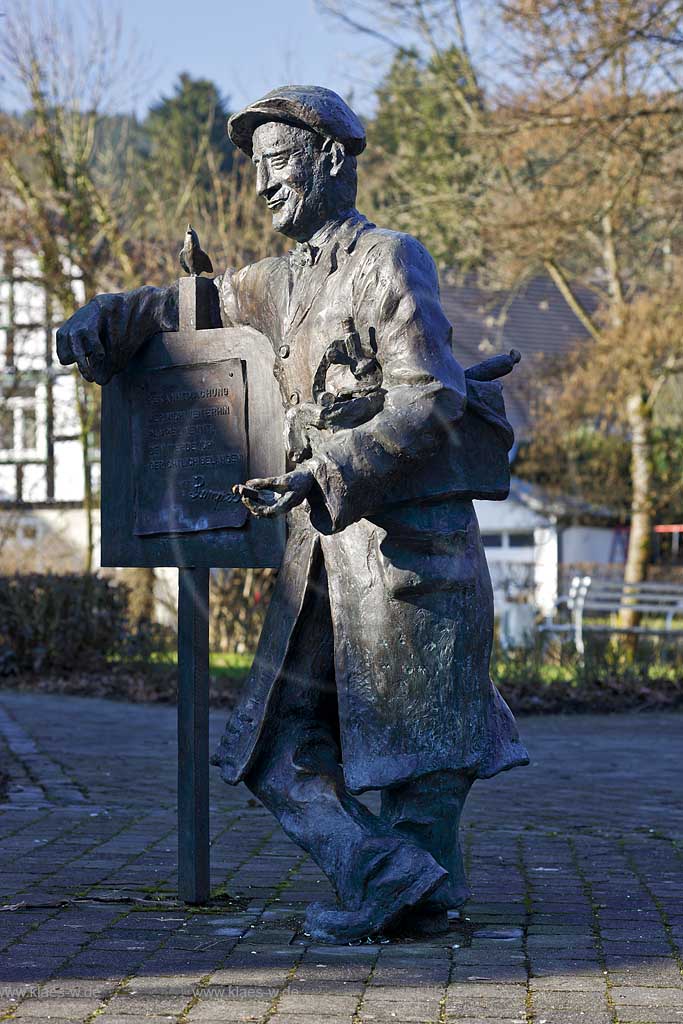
{"type": "Point", "coordinates": [248, 47]}
{"type": "Point", "coordinates": [245, 46]}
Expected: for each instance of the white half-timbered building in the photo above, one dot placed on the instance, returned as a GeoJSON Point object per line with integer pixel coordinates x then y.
{"type": "Point", "coordinates": [42, 523]}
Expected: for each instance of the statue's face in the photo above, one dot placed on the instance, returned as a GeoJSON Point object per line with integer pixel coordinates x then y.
{"type": "Point", "coordinates": [293, 175]}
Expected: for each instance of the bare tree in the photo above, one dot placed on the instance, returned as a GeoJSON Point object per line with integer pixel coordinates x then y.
{"type": "Point", "coordinates": [574, 167]}
{"type": "Point", "coordinates": [77, 211]}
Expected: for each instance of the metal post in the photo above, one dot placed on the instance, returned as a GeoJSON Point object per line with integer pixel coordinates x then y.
{"type": "Point", "coordinates": [193, 735]}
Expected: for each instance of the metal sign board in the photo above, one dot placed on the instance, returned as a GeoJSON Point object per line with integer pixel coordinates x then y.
{"type": "Point", "coordinates": [196, 411]}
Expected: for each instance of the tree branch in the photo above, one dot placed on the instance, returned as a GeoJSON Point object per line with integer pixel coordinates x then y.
{"type": "Point", "coordinates": [567, 294]}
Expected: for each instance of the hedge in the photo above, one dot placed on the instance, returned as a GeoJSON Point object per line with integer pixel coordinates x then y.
{"type": "Point", "coordinates": [54, 622]}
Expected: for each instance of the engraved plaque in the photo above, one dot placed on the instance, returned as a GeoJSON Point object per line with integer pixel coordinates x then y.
{"type": "Point", "coordinates": [137, 494]}
{"type": "Point", "coordinates": [189, 447]}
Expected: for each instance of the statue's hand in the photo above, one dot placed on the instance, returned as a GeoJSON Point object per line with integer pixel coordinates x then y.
{"type": "Point", "coordinates": [80, 341]}
{"type": "Point", "coordinates": [293, 488]}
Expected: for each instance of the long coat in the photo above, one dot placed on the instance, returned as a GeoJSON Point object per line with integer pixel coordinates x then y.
{"type": "Point", "coordinates": [409, 588]}
{"type": "Point", "coordinates": [390, 511]}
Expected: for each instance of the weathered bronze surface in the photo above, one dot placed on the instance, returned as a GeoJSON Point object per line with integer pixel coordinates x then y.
{"type": "Point", "coordinates": [373, 668]}
{"type": "Point", "coordinates": [189, 447]}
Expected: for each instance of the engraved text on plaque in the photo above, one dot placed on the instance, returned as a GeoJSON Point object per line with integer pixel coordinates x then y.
{"type": "Point", "coordinates": [189, 447]}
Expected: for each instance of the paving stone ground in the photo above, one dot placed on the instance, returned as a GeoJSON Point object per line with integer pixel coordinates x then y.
{"type": "Point", "coordinates": [575, 863]}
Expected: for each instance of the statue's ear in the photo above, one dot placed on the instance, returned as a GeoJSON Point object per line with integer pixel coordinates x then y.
{"type": "Point", "coordinates": [337, 154]}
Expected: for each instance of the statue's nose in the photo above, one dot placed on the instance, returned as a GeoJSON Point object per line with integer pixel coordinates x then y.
{"type": "Point", "coordinates": [262, 178]}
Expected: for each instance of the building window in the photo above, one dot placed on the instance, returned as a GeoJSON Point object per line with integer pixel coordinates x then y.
{"type": "Point", "coordinates": [492, 540]}
{"type": "Point", "coordinates": [19, 423]}
{"type": "Point", "coordinates": [521, 540]}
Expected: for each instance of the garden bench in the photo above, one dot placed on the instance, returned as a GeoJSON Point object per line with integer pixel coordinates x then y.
{"type": "Point", "coordinates": [591, 597]}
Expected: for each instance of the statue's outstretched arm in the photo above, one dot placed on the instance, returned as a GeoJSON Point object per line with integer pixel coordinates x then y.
{"type": "Point", "coordinates": [103, 335]}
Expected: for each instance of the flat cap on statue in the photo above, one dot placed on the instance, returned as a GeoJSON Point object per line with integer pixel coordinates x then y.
{"type": "Point", "coordinates": [305, 106]}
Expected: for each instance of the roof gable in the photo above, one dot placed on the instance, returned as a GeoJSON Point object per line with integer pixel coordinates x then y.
{"type": "Point", "coordinates": [537, 321]}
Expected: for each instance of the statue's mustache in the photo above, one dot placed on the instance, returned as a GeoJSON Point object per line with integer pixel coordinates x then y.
{"type": "Point", "coordinates": [279, 199]}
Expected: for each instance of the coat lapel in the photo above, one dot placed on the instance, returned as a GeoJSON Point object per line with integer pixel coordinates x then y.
{"type": "Point", "coordinates": [307, 283]}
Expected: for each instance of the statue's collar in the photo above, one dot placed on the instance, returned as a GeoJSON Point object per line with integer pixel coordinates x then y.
{"type": "Point", "coordinates": [341, 233]}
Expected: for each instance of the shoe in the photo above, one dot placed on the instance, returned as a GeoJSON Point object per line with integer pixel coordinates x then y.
{"type": "Point", "coordinates": [378, 915]}
{"type": "Point", "coordinates": [449, 896]}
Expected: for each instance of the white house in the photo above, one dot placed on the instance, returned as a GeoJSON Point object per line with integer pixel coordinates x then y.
{"type": "Point", "coordinates": [42, 522]}
{"type": "Point", "coordinates": [532, 540]}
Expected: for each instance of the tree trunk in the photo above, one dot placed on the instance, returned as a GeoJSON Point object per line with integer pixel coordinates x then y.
{"type": "Point", "coordinates": [141, 603]}
{"type": "Point", "coordinates": [640, 422]}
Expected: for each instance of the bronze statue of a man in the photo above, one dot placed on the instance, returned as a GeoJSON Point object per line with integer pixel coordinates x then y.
{"type": "Point", "coordinates": [373, 668]}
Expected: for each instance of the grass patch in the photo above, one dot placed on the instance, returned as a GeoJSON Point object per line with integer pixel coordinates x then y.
{"type": "Point", "coordinates": [552, 677]}
{"type": "Point", "coordinates": [222, 665]}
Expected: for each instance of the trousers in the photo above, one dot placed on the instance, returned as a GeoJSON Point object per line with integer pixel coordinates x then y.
{"type": "Point", "coordinates": [297, 774]}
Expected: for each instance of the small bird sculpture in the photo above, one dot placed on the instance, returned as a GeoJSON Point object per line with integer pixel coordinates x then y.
{"type": "Point", "coordinates": [192, 257]}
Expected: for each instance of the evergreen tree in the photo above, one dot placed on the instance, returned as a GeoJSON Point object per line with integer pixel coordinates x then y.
{"type": "Point", "coordinates": [185, 131]}
{"type": "Point", "coordinates": [419, 154]}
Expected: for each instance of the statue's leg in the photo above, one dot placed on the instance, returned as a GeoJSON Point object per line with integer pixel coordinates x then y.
{"type": "Point", "coordinates": [375, 871]}
{"type": "Point", "coordinates": [427, 810]}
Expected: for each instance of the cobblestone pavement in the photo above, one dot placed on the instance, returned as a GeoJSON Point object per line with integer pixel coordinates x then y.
{"type": "Point", "coordinates": [575, 863]}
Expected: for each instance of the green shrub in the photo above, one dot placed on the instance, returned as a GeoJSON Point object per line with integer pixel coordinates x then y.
{"type": "Point", "coordinates": [551, 676]}
{"type": "Point", "coordinates": [56, 623]}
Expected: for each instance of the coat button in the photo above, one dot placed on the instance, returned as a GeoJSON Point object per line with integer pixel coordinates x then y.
{"type": "Point", "coordinates": [283, 351]}
{"type": "Point", "coordinates": [294, 398]}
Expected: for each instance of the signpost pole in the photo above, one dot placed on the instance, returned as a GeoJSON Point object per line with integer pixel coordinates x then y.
{"type": "Point", "coordinates": [193, 735]}
{"type": "Point", "coordinates": [177, 431]}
